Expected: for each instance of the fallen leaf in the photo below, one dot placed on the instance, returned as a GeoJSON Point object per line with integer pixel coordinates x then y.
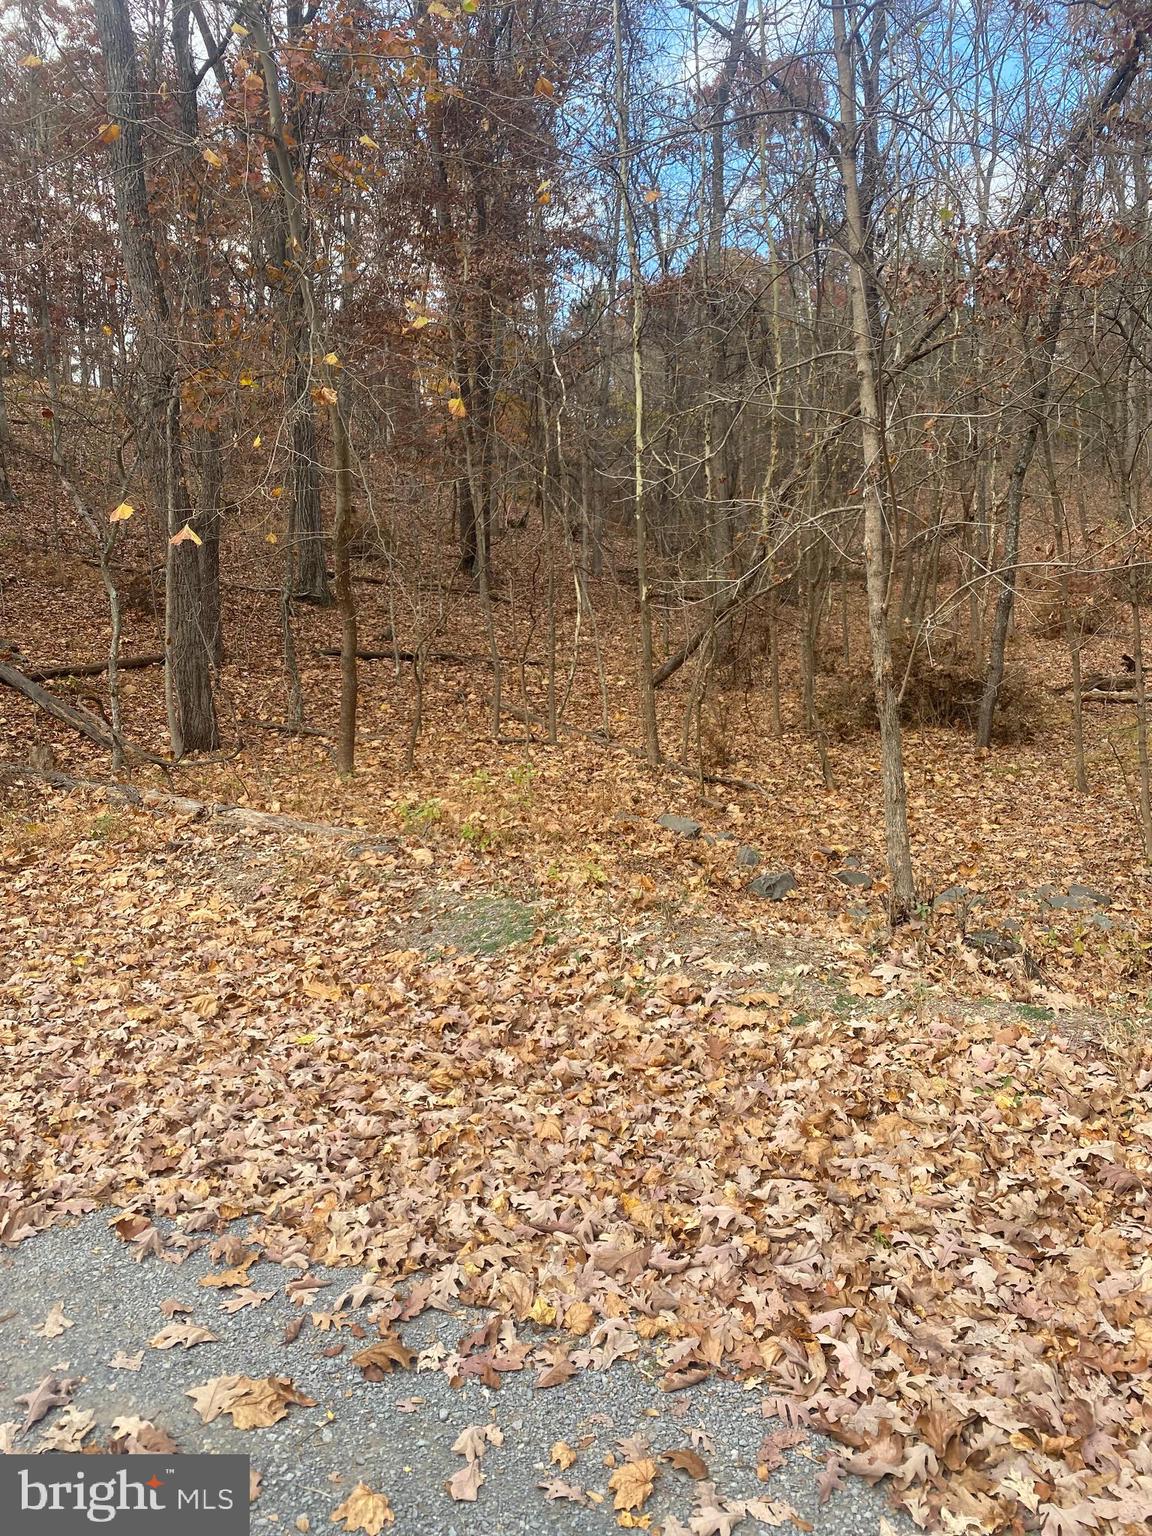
{"type": "Point", "coordinates": [364, 1510]}
{"type": "Point", "coordinates": [632, 1483]}
{"type": "Point", "coordinates": [253, 1403]}
{"type": "Point", "coordinates": [53, 1392]}
{"type": "Point", "coordinates": [686, 1461]}
{"type": "Point", "coordinates": [186, 1335]}
{"type": "Point", "coordinates": [464, 1484]}
{"type": "Point", "coordinates": [54, 1324]}
{"type": "Point", "coordinates": [383, 1357]}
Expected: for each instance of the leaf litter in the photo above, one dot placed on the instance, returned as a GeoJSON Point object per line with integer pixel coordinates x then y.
{"type": "Point", "coordinates": [921, 1232]}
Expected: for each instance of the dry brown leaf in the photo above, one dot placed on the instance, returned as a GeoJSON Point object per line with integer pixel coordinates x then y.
{"type": "Point", "coordinates": [364, 1510]}
{"type": "Point", "coordinates": [227, 1278]}
{"type": "Point", "coordinates": [632, 1483]}
{"type": "Point", "coordinates": [386, 1355]}
{"type": "Point", "coordinates": [686, 1461]}
{"type": "Point", "coordinates": [68, 1431]}
{"type": "Point", "coordinates": [563, 1455]}
{"type": "Point", "coordinates": [253, 1403]}
{"type": "Point", "coordinates": [54, 1324]}
{"type": "Point", "coordinates": [52, 1392]}
{"type": "Point", "coordinates": [184, 1335]}
{"type": "Point", "coordinates": [464, 1484]}
{"type": "Point", "coordinates": [556, 1488]}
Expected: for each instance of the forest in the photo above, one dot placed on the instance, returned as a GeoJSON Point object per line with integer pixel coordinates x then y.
{"type": "Point", "coordinates": [572, 652]}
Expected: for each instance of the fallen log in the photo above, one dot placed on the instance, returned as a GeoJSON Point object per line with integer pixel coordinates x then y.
{"type": "Point", "coordinates": [80, 719]}
{"type": "Point", "coordinates": [88, 723]}
{"type": "Point", "coordinates": [200, 810]}
{"type": "Point", "coordinates": [451, 657]}
{"type": "Point", "coordinates": [93, 668]}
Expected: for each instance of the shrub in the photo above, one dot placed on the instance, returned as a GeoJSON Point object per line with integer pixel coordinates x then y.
{"type": "Point", "coordinates": [941, 691]}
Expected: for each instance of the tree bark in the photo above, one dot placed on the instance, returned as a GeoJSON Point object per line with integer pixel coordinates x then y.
{"type": "Point", "coordinates": [188, 678]}
{"type": "Point", "coordinates": [860, 281]}
{"type": "Point", "coordinates": [636, 282]}
{"type": "Point", "coordinates": [204, 444]}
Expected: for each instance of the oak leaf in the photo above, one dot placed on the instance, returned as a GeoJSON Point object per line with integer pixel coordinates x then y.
{"type": "Point", "coordinates": [54, 1324]}
{"type": "Point", "coordinates": [383, 1357]}
{"type": "Point", "coordinates": [53, 1392]}
{"type": "Point", "coordinates": [186, 1335]}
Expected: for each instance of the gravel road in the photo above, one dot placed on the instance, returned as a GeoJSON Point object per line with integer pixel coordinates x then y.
{"type": "Point", "coordinates": [395, 1435]}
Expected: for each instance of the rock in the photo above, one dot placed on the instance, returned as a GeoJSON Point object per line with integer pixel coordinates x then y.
{"type": "Point", "coordinates": [1102, 921]}
{"type": "Point", "coordinates": [855, 877]}
{"type": "Point", "coordinates": [992, 942]}
{"type": "Point", "coordinates": [747, 857]}
{"type": "Point", "coordinates": [951, 897]}
{"type": "Point", "coordinates": [683, 826]}
{"type": "Point", "coordinates": [1080, 898]}
{"type": "Point", "coordinates": [775, 886]}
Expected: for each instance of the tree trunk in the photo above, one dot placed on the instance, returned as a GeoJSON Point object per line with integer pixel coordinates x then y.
{"type": "Point", "coordinates": [188, 677]}
{"type": "Point", "coordinates": [639, 509]}
{"type": "Point", "coordinates": [860, 279]}
{"type": "Point", "coordinates": [345, 599]}
{"type": "Point", "coordinates": [205, 436]}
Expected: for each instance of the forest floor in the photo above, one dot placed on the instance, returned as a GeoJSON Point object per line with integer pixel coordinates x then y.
{"type": "Point", "coordinates": [515, 1045]}
{"type": "Point", "coordinates": [910, 1223]}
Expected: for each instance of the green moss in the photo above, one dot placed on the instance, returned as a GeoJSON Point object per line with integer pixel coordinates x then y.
{"type": "Point", "coordinates": [487, 924]}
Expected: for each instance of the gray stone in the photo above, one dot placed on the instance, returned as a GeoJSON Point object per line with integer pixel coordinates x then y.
{"type": "Point", "coordinates": [855, 877]}
{"type": "Point", "coordinates": [683, 826]}
{"type": "Point", "coordinates": [952, 896]}
{"type": "Point", "coordinates": [774, 887]}
{"type": "Point", "coordinates": [1061, 903]}
{"type": "Point", "coordinates": [747, 857]}
{"type": "Point", "coordinates": [1080, 898]}
{"type": "Point", "coordinates": [993, 942]}
{"type": "Point", "coordinates": [1102, 921]}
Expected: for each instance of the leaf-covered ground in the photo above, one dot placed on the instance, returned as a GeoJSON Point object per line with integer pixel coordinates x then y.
{"type": "Point", "coordinates": [574, 823]}
{"type": "Point", "coordinates": [920, 1228]}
